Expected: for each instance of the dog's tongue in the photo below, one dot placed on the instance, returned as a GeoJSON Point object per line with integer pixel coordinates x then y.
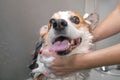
{"type": "Point", "coordinates": [59, 46]}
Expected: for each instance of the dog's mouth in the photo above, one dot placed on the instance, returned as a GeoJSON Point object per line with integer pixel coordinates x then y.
{"type": "Point", "coordinates": [64, 45]}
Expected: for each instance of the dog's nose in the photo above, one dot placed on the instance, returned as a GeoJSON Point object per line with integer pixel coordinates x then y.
{"type": "Point", "coordinates": [59, 24]}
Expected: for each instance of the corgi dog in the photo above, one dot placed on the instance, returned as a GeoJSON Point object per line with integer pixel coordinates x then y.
{"type": "Point", "coordinates": [66, 34]}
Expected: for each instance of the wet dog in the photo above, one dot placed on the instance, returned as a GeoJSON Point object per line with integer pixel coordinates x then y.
{"type": "Point", "coordinates": [67, 33]}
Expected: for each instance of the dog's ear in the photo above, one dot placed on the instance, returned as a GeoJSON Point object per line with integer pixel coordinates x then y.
{"type": "Point", "coordinates": [43, 31]}
{"type": "Point", "coordinates": [91, 19]}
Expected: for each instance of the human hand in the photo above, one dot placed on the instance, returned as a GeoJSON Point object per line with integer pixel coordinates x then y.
{"type": "Point", "coordinates": [63, 65]}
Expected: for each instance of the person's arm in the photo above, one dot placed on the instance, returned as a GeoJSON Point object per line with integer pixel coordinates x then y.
{"type": "Point", "coordinates": [109, 26]}
{"type": "Point", "coordinates": [103, 57]}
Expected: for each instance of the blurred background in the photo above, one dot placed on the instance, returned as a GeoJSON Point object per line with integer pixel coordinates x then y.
{"type": "Point", "coordinates": [20, 21]}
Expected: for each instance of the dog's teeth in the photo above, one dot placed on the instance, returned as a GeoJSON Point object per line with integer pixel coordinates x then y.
{"type": "Point", "coordinates": [72, 41]}
{"type": "Point", "coordinates": [68, 44]}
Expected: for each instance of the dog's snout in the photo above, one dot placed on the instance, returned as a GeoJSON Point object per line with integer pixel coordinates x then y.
{"type": "Point", "coordinates": [59, 24]}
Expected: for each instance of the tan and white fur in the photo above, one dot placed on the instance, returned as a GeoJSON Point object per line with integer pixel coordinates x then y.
{"type": "Point", "coordinates": [77, 29]}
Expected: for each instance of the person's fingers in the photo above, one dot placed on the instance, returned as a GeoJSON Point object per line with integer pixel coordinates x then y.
{"type": "Point", "coordinates": [56, 68]}
{"type": "Point", "coordinates": [58, 62]}
{"type": "Point", "coordinates": [62, 73]}
{"type": "Point", "coordinates": [60, 69]}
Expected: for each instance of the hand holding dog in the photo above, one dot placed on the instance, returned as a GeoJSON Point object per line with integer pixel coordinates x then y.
{"type": "Point", "coordinates": [64, 65]}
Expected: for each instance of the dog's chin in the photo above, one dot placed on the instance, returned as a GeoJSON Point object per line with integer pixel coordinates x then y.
{"type": "Point", "coordinates": [63, 45]}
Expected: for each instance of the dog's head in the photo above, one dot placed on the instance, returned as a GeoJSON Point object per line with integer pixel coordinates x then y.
{"type": "Point", "coordinates": [67, 30]}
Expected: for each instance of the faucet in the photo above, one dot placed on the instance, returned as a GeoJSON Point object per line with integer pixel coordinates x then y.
{"type": "Point", "coordinates": [104, 68]}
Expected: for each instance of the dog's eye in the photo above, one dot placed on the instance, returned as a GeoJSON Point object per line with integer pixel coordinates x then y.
{"type": "Point", "coordinates": [75, 19]}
